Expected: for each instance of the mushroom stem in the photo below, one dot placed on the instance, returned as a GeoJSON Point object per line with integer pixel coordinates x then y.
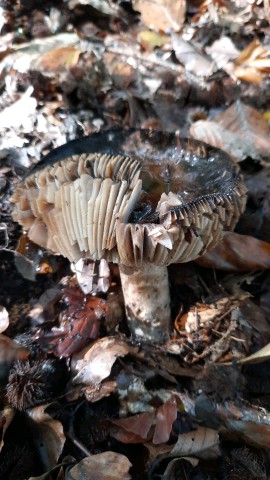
{"type": "Point", "coordinates": [147, 302]}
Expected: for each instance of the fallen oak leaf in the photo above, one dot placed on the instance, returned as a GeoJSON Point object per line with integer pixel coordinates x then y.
{"type": "Point", "coordinates": [237, 253]}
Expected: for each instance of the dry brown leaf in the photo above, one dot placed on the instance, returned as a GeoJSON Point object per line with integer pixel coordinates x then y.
{"type": "Point", "coordinates": [11, 351]}
{"type": "Point", "coordinates": [238, 253]}
{"type": "Point", "coordinates": [134, 429]}
{"type": "Point", "coordinates": [4, 319]}
{"type": "Point", "coordinates": [241, 131]}
{"type": "Point", "coordinates": [106, 465]}
{"type": "Point", "coordinates": [165, 417]}
{"type": "Point", "coordinates": [94, 363]}
{"type": "Point", "coordinates": [252, 63]}
{"type": "Point", "coordinates": [161, 14]}
{"type": "Point", "coordinates": [144, 426]}
{"type": "Point", "coordinates": [49, 438]}
{"type": "Point", "coordinates": [59, 59]}
{"type": "Point", "coordinates": [27, 55]}
{"type": "Point", "coordinates": [200, 443]}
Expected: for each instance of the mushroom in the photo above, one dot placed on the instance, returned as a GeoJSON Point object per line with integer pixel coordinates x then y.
{"type": "Point", "coordinates": [142, 199]}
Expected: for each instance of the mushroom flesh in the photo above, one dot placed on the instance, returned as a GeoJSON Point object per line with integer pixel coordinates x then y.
{"type": "Point", "coordinates": [142, 199]}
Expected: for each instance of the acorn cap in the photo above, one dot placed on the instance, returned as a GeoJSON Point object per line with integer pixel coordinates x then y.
{"type": "Point", "coordinates": [131, 197]}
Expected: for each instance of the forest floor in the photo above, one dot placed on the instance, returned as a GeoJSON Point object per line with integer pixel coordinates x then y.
{"type": "Point", "coordinates": [197, 407]}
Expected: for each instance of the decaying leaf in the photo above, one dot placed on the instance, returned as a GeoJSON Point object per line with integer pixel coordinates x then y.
{"type": "Point", "coordinates": [109, 465]}
{"type": "Point", "coordinates": [11, 351]}
{"type": "Point", "coordinates": [58, 59]}
{"type": "Point", "coordinates": [200, 443]}
{"type": "Point", "coordinates": [49, 438]}
{"type": "Point", "coordinates": [252, 63]}
{"type": "Point", "coordinates": [27, 55]}
{"type": "Point", "coordinates": [238, 253]}
{"type": "Point", "coordinates": [166, 416]}
{"type": "Point", "coordinates": [134, 429]}
{"type": "Point", "coordinates": [94, 363]}
{"type": "Point", "coordinates": [241, 131]}
{"type": "Point", "coordinates": [161, 14]}
{"type": "Point", "coordinates": [146, 426]}
{"type": "Point", "coordinates": [80, 323]}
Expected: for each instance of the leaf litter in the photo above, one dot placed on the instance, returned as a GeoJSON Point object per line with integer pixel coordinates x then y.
{"type": "Point", "coordinates": [198, 405]}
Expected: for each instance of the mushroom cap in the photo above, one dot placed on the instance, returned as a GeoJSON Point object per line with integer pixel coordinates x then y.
{"type": "Point", "coordinates": [131, 197]}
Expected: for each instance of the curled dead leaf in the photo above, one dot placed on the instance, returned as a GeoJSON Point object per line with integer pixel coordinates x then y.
{"type": "Point", "coordinates": [49, 438]}
{"type": "Point", "coordinates": [200, 443]}
{"type": "Point", "coordinates": [252, 63]}
{"type": "Point", "coordinates": [94, 363]}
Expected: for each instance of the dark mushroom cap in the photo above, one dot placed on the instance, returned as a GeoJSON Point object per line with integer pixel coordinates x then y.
{"type": "Point", "coordinates": [131, 197]}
